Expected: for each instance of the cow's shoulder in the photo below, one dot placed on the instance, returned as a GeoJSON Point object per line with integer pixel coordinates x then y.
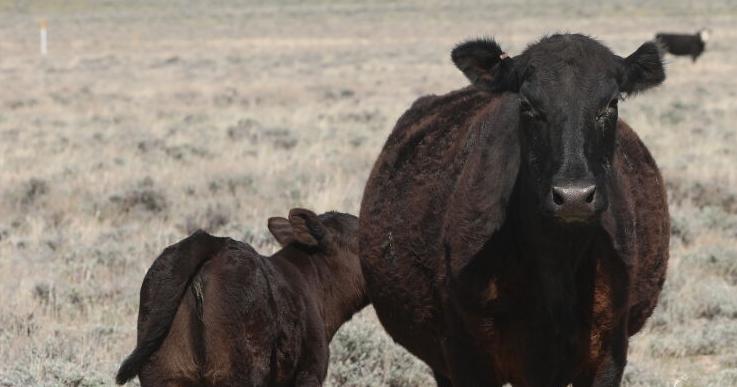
{"type": "Point", "coordinates": [631, 148]}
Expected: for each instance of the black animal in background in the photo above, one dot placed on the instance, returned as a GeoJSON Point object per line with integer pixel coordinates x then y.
{"type": "Point", "coordinates": [692, 45]}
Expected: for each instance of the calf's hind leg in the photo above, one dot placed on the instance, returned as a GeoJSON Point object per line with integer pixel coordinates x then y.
{"type": "Point", "coordinates": [307, 380]}
{"type": "Point", "coordinates": [312, 369]}
{"type": "Point", "coordinates": [175, 363]}
{"type": "Point", "coordinates": [156, 381]}
{"type": "Point", "coordinates": [313, 365]}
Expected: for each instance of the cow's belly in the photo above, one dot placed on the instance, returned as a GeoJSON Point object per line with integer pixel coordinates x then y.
{"type": "Point", "coordinates": [682, 50]}
{"type": "Point", "coordinates": [404, 301]}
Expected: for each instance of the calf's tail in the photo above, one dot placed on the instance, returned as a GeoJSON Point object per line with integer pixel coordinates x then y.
{"type": "Point", "coordinates": [162, 290]}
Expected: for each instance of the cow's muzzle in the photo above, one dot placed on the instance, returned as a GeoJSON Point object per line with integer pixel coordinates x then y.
{"type": "Point", "coordinates": [577, 201]}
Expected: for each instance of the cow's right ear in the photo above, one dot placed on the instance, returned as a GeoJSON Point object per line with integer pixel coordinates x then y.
{"type": "Point", "coordinates": [484, 63]}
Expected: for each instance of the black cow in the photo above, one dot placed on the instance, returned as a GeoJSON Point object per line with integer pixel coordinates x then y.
{"type": "Point", "coordinates": [516, 231]}
{"type": "Point", "coordinates": [692, 45]}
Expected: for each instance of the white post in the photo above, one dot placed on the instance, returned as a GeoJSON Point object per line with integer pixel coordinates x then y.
{"type": "Point", "coordinates": [44, 43]}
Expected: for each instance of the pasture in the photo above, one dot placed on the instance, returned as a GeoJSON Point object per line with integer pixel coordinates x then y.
{"type": "Point", "coordinates": [147, 121]}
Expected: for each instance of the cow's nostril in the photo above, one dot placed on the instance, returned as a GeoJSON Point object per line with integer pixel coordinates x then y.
{"type": "Point", "coordinates": [590, 197]}
{"type": "Point", "coordinates": [573, 195]}
{"type": "Point", "coordinates": [573, 201]}
{"type": "Point", "coordinates": [557, 197]}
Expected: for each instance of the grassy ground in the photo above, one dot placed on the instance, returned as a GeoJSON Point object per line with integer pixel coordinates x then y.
{"type": "Point", "coordinates": [147, 121]}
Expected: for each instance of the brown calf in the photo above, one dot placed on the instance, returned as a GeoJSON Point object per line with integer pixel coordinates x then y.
{"type": "Point", "coordinates": [213, 312]}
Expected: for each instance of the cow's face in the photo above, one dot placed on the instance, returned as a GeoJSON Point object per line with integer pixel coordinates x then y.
{"type": "Point", "coordinates": [704, 34]}
{"type": "Point", "coordinates": [568, 89]}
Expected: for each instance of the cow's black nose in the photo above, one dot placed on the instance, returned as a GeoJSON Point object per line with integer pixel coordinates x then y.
{"type": "Point", "coordinates": [573, 202]}
{"type": "Point", "coordinates": [574, 194]}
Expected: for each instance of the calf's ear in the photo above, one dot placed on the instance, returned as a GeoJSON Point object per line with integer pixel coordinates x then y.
{"type": "Point", "coordinates": [643, 69]}
{"type": "Point", "coordinates": [281, 229]}
{"type": "Point", "coordinates": [307, 227]}
{"type": "Point", "coordinates": [484, 63]}
{"type": "Point", "coordinates": [303, 227]}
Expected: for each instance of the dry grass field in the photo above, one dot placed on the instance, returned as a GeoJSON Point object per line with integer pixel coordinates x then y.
{"type": "Point", "coordinates": [148, 120]}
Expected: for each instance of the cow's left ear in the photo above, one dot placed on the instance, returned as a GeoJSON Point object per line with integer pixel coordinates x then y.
{"type": "Point", "coordinates": [484, 63]}
{"type": "Point", "coordinates": [643, 69]}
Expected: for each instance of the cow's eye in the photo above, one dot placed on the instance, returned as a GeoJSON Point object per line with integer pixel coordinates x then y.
{"type": "Point", "coordinates": [526, 108]}
{"type": "Point", "coordinates": [613, 103]}
{"type": "Point", "coordinates": [608, 111]}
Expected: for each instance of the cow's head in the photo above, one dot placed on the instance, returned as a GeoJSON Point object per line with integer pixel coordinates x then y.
{"type": "Point", "coordinates": [704, 34]}
{"type": "Point", "coordinates": [568, 87]}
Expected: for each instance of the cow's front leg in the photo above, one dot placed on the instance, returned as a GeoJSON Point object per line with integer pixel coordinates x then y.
{"type": "Point", "coordinates": [608, 371]}
{"type": "Point", "coordinates": [441, 380]}
{"type": "Point", "coordinates": [465, 364]}
{"type": "Point", "coordinates": [612, 366]}
{"type": "Point", "coordinates": [463, 372]}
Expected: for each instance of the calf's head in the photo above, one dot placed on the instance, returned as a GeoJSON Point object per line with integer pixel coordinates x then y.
{"type": "Point", "coordinates": [330, 241]}
{"type": "Point", "coordinates": [332, 234]}
{"type": "Point", "coordinates": [568, 89]}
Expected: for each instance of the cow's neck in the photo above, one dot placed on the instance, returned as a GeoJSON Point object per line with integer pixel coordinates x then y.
{"type": "Point", "coordinates": [557, 263]}
{"type": "Point", "coordinates": [553, 253]}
